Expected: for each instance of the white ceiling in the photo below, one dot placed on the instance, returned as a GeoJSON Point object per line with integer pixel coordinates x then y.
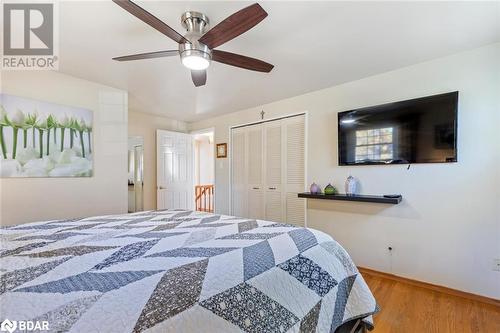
{"type": "Point", "coordinates": [313, 45]}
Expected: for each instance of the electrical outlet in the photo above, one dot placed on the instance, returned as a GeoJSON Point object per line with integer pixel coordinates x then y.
{"type": "Point", "coordinates": [496, 265]}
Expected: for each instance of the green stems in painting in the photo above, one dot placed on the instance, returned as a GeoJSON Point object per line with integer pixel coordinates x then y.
{"type": "Point", "coordinates": [25, 137]}
{"type": "Point", "coordinates": [88, 138]}
{"type": "Point", "coordinates": [62, 138]}
{"type": "Point", "coordinates": [51, 124]}
{"type": "Point", "coordinates": [45, 126]}
{"type": "Point", "coordinates": [40, 140]}
{"type": "Point", "coordinates": [81, 143]}
{"type": "Point", "coordinates": [2, 143]}
{"type": "Point", "coordinates": [48, 141]}
{"type": "Point", "coordinates": [71, 137]}
{"type": "Point", "coordinates": [14, 142]}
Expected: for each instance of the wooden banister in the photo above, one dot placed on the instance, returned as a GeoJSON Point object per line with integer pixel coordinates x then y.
{"type": "Point", "coordinates": [204, 198]}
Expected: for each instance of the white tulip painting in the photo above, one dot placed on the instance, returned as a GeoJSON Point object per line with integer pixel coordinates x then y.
{"type": "Point", "coordinates": [40, 139]}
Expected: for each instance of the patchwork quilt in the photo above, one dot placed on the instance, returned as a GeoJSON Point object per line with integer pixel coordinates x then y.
{"type": "Point", "coordinates": [177, 271]}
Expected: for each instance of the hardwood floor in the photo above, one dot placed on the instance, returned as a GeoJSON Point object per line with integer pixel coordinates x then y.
{"type": "Point", "coordinates": [407, 308]}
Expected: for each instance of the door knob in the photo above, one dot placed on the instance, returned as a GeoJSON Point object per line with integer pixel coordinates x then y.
{"type": "Point", "coordinates": [161, 188]}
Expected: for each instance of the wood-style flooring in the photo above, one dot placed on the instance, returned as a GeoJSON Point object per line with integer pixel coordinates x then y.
{"type": "Point", "coordinates": [407, 308]}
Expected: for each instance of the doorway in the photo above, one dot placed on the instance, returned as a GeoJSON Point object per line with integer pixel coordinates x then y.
{"type": "Point", "coordinates": [135, 174]}
{"type": "Point", "coordinates": [185, 170]}
{"type": "Point", "coordinates": [204, 162]}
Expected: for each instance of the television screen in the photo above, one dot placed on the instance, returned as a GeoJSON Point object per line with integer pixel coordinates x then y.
{"type": "Point", "coordinates": [422, 130]}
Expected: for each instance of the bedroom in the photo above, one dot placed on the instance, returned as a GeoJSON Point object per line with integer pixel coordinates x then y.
{"type": "Point", "coordinates": [246, 143]}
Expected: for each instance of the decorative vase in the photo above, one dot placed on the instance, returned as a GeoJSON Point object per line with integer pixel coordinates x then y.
{"type": "Point", "coordinates": [329, 189]}
{"type": "Point", "coordinates": [350, 185]}
{"type": "Point", "coordinates": [314, 189]}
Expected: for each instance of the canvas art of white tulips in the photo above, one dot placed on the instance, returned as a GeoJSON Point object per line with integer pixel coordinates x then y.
{"type": "Point", "coordinates": [40, 139]}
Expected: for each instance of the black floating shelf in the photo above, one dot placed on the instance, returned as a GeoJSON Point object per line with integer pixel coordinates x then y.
{"type": "Point", "coordinates": [355, 197]}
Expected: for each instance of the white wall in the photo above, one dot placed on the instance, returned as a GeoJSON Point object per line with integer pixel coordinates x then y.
{"type": "Point", "coordinates": [34, 199]}
{"type": "Point", "coordinates": [145, 125]}
{"type": "Point", "coordinates": [447, 229]}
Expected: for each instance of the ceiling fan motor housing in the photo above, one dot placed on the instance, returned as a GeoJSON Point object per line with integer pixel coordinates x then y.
{"type": "Point", "coordinates": [196, 25]}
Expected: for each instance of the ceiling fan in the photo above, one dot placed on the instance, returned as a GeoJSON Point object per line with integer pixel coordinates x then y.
{"type": "Point", "coordinates": [197, 46]}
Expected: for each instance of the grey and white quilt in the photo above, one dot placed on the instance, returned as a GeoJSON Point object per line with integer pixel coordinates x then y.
{"type": "Point", "coordinates": [177, 271]}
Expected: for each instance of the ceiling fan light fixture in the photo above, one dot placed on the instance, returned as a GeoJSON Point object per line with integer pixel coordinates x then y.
{"type": "Point", "coordinates": [195, 59]}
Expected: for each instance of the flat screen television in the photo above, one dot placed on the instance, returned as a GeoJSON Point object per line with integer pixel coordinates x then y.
{"type": "Point", "coordinates": [421, 130]}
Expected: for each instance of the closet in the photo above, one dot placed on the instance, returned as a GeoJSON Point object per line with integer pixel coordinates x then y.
{"type": "Point", "coordinates": [268, 170]}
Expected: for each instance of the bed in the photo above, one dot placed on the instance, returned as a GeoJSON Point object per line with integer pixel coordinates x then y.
{"type": "Point", "coordinates": [179, 271]}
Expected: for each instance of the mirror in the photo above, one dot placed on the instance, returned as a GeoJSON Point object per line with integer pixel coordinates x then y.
{"type": "Point", "coordinates": [135, 174]}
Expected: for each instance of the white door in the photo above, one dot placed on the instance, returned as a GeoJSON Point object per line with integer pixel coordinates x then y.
{"type": "Point", "coordinates": [239, 172]}
{"type": "Point", "coordinates": [273, 155]}
{"type": "Point", "coordinates": [268, 166]}
{"type": "Point", "coordinates": [294, 169]}
{"type": "Point", "coordinates": [255, 172]}
{"type": "Point", "coordinates": [174, 170]}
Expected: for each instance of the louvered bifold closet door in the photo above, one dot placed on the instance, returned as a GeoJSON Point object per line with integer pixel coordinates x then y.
{"type": "Point", "coordinates": [273, 156]}
{"type": "Point", "coordinates": [239, 172]}
{"type": "Point", "coordinates": [255, 172]}
{"type": "Point", "coordinates": [294, 169]}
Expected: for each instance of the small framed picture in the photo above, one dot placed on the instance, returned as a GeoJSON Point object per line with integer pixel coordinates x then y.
{"type": "Point", "coordinates": [221, 150]}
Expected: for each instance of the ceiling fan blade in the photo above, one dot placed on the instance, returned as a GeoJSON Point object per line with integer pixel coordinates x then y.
{"type": "Point", "coordinates": [150, 19]}
{"type": "Point", "coordinates": [234, 26]}
{"type": "Point", "coordinates": [199, 77]}
{"type": "Point", "coordinates": [241, 61]}
{"type": "Point", "coordinates": [148, 55]}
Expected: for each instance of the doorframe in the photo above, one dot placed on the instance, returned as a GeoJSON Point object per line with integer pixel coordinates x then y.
{"type": "Point", "coordinates": [305, 113]}
{"type": "Point", "coordinates": [204, 131]}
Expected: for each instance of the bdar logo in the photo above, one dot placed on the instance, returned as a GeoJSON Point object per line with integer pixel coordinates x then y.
{"type": "Point", "coordinates": [8, 326]}
{"type": "Point", "coordinates": [24, 325]}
